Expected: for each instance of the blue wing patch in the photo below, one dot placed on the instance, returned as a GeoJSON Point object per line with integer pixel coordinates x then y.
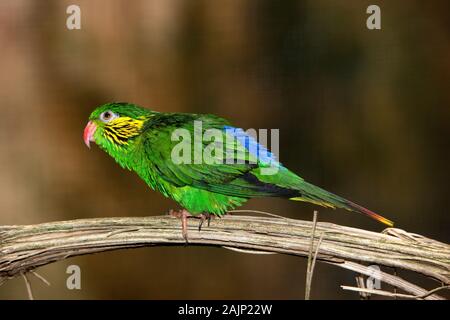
{"type": "Point", "coordinates": [259, 151]}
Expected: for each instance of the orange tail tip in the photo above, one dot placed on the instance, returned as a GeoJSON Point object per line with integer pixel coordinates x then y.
{"type": "Point", "coordinates": [379, 218]}
{"type": "Point", "coordinates": [371, 214]}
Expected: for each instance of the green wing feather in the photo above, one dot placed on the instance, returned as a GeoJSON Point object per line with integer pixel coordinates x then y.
{"type": "Point", "coordinates": [157, 146]}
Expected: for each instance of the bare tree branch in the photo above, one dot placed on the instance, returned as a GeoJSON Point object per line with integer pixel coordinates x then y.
{"type": "Point", "coordinates": [392, 294]}
{"type": "Point", "coordinates": [24, 248]}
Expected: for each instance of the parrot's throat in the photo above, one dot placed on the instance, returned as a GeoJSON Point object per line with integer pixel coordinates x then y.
{"type": "Point", "coordinates": [120, 152]}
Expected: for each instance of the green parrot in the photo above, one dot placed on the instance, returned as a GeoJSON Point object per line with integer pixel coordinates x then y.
{"type": "Point", "coordinates": [206, 177]}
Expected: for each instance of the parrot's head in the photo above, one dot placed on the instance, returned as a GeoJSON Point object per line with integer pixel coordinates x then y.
{"type": "Point", "coordinates": [113, 126]}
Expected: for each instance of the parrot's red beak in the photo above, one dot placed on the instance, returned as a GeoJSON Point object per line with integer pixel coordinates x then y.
{"type": "Point", "coordinates": [88, 134]}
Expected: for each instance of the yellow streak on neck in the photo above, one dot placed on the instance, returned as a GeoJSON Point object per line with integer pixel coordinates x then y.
{"type": "Point", "coordinates": [120, 130]}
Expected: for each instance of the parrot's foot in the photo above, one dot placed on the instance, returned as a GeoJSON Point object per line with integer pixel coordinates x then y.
{"type": "Point", "coordinates": [184, 215]}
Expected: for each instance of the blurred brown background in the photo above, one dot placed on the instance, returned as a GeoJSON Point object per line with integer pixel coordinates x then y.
{"type": "Point", "coordinates": [363, 113]}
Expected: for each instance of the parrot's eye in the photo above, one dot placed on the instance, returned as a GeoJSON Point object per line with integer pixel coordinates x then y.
{"type": "Point", "coordinates": [108, 116]}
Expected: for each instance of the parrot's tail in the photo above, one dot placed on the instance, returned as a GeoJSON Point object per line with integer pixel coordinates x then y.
{"type": "Point", "coordinates": [311, 193]}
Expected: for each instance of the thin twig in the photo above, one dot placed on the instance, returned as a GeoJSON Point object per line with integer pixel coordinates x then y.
{"type": "Point", "coordinates": [28, 285]}
{"type": "Point", "coordinates": [313, 264]}
{"type": "Point", "coordinates": [37, 275]}
{"type": "Point", "coordinates": [429, 293]}
{"type": "Point", "coordinates": [395, 274]}
{"type": "Point", "coordinates": [247, 250]}
{"type": "Point", "coordinates": [310, 256]}
{"type": "Point", "coordinates": [265, 213]}
{"type": "Point", "coordinates": [114, 232]}
{"type": "Point", "coordinates": [393, 294]}
{"type": "Point", "coordinates": [389, 279]}
{"type": "Point", "coordinates": [316, 253]}
{"type": "Point", "coordinates": [361, 284]}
